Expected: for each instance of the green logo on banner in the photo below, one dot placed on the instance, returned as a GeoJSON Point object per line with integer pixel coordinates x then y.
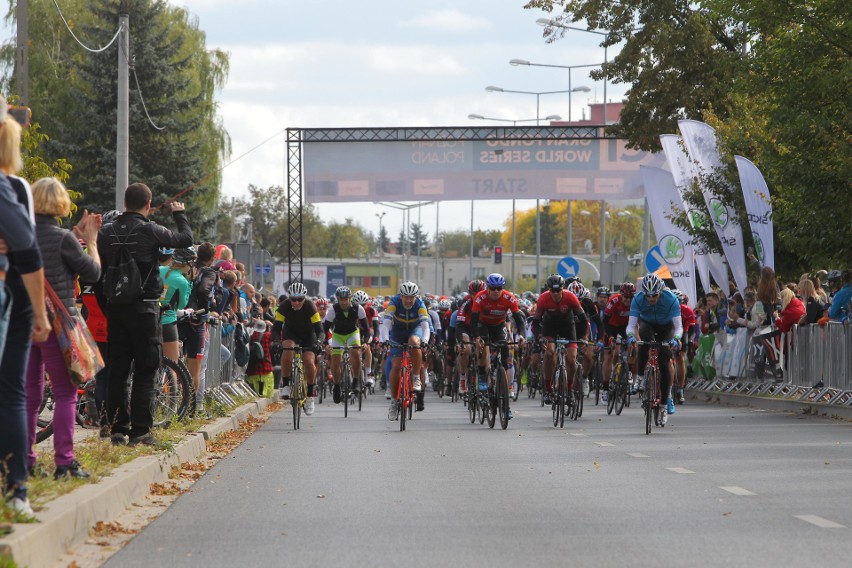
{"type": "Point", "coordinates": [719, 212]}
{"type": "Point", "coordinates": [759, 249]}
{"type": "Point", "coordinates": [672, 249]}
{"type": "Point", "coordinates": [697, 218]}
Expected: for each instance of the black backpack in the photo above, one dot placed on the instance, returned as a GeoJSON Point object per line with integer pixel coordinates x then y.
{"type": "Point", "coordinates": [256, 350]}
{"type": "Point", "coordinates": [241, 345]}
{"type": "Point", "coordinates": [122, 282]}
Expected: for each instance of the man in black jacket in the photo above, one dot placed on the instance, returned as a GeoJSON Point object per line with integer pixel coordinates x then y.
{"type": "Point", "coordinates": [135, 335]}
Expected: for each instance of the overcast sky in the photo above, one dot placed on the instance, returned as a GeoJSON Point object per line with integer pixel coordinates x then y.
{"type": "Point", "coordinates": [372, 63]}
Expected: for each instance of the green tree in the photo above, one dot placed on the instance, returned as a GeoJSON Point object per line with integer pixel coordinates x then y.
{"type": "Point", "coordinates": [416, 237]}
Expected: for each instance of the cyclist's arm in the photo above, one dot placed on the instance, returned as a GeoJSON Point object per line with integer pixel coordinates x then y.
{"type": "Point", "coordinates": [677, 322]}
{"type": "Point", "coordinates": [631, 325]}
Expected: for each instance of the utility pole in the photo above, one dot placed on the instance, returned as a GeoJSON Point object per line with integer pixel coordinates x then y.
{"type": "Point", "coordinates": [122, 151]}
{"type": "Point", "coordinates": [22, 65]}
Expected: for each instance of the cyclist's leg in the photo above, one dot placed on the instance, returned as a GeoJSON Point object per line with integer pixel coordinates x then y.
{"type": "Point", "coordinates": [396, 364]}
{"type": "Point", "coordinates": [549, 364]}
{"type": "Point", "coordinates": [646, 333]}
{"type": "Point", "coordinates": [664, 334]}
{"type": "Point", "coordinates": [309, 363]}
{"type": "Point", "coordinates": [416, 354]}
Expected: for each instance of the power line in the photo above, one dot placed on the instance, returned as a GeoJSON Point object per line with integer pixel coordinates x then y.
{"type": "Point", "coordinates": [84, 46]}
{"type": "Point", "coordinates": [142, 100]}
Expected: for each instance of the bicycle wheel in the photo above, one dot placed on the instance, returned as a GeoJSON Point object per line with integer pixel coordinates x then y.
{"type": "Point", "coordinates": [346, 383]}
{"type": "Point", "coordinates": [362, 382]}
{"type": "Point", "coordinates": [648, 401]}
{"type": "Point", "coordinates": [185, 390]}
{"type": "Point", "coordinates": [503, 399]}
{"type": "Point", "coordinates": [562, 396]}
{"type": "Point", "coordinates": [621, 390]}
{"type": "Point", "coordinates": [167, 397]}
{"type": "Point", "coordinates": [516, 392]}
{"type": "Point", "coordinates": [471, 408]}
{"type": "Point", "coordinates": [597, 374]}
{"type": "Point", "coordinates": [297, 393]}
{"type": "Point", "coordinates": [577, 386]}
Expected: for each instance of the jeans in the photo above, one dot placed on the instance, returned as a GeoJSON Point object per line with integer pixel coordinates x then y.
{"type": "Point", "coordinates": [5, 312]}
{"type": "Point", "coordinates": [13, 398]}
{"type": "Point", "coordinates": [47, 357]}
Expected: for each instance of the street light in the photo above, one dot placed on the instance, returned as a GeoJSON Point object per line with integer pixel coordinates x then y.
{"type": "Point", "coordinates": [581, 89]}
{"type": "Point", "coordinates": [493, 89]}
{"type": "Point", "coordinates": [381, 249]}
{"type": "Point", "coordinates": [514, 122]}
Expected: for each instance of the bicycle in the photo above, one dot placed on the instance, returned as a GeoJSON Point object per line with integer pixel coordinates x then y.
{"type": "Point", "coordinates": [476, 402]}
{"type": "Point", "coordinates": [560, 396]}
{"type": "Point", "coordinates": [405, 394]}
{"type": "Point", "coordinates": [498, 387]}
{"type": "Point", "coordinates": [619, 383]}
{"type": "Point", "coordinates": [596, 376]}
{"type": "Point", "coordinates": [298, 389]}
{"type": "Point", "coordinates": [651, 396]}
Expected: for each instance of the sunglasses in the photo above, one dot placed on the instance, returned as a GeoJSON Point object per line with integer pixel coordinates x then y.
{"type": "Point", "coordinates": [492, 288]}
{"type": "Point", "coordinates": [292, 299]}
{"type": "Point", "coordinates": [652, 295]}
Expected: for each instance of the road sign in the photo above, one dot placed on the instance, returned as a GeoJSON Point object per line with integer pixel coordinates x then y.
{"type": "Point", "coordinates": [654, 259]}
{"type": "Point", "coordinates": [568, 267]}
{"type": "Point", "coordinates": [267, 268]}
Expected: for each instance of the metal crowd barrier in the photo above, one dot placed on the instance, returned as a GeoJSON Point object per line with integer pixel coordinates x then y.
{"type": "Point", "coordinates": [224, 380]}
{"type": "Point", "coordinates": [816, 365]}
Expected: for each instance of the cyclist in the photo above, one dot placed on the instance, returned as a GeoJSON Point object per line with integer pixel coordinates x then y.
{"type": "Point", "coordinates": [593, 333]}
{"type": "Point", "coordinates": [464, 335]}
{"type": "Point", "coordinates": [558, 314]}
{"type": "Point", "coordinates": [405, 321]}
{"type": "Point", "coordinates": [297, 322]}
{"type": "Point", "coordinates": [602, 295]}
{"type": "Point", "coordinates": [362, 299]}
{"type": "Point", "coordinates": [687, 316]}
{"type": "Point", "coordinates": [655, 316]}
{"type": "Point", "coordinates": [346, 323]}
{"type": "Point", "coordinates": [488, 319]}
{"type": "Point", "coordinates": [615, 318]}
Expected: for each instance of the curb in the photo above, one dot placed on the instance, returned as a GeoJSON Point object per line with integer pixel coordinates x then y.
{"type": "Point", "coordinates": [67, 520]}
{"type": "Point", "coordinates": [770, 403]}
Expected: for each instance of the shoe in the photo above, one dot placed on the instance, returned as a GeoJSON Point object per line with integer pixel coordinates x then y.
{"type": "Point", "coordinates": [74, 469]}
{"type": "Point", "coordinates": [104, 432]}
{"type": "Point", "coordinates": [670, 407]}
{"type": "Point", "coordinates": [680, 397]}
{"type": "Point", "coordinates": [309, 406]}
{"type": "Point", "coordinates": [285, 393]}
{"type": "Point", "coordinates": [38, 472]}
{"type": "Point", "coordinates": [547, 399]}
{"type": "Point", "coordinates": [393, 410]}
{"type": "Point", "coordinates": [21, 506]}
{"type": "Point", "coordinates": [335, 394]}
{"type": "Point", "coordinates": [419, 407]}
{"type": "Point", "coordinates": [417, 385]}
{"type": "Point", "coordinates": [586, 387]}
{"type": "Point", "coordinates": [118, 439]}
{"type": "Point", "coordinates": [144, 439]}
{"type": "Point", "coordinates": [449, 391]}
{"type": "Point", "coordinates": [605, 396]}
{"type": "Point", "coordinates": [483, 385]}
{"type": "Point", "coordinates": [370, 380]}
{"type": "Point", "coordinates": [510, 414]}
{"type": "Point", "coordinates": [387, 393]}
{"type": "Point", "coordinates": [664, 416]}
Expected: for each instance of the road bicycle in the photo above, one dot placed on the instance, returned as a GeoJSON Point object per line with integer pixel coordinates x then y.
{"type": "Point", "coordinates": [565, 398]}
{"type": "Point", "coordinates": [405, 394]}
{"type": "Point", "coordinates": [618, 391]}
{"type": "Point", "coordinates": [298, 388]}
{"type": "Point", "coordinates": [652, 395]}
{"type": "Point", "coordinates": [350, 386]}
{"type": "Point", "coordinates": [498, 385]}
{"type": "Point", "coordinates": [596, 375]}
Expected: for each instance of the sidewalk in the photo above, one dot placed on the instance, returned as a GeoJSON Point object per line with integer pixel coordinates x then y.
{"type": "Point", "coordinates": [68, 519]}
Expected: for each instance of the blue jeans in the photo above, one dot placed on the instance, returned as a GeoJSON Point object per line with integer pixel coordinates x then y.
{"type": "Point", "coordinates": [13, 397]}
{"type": "Point", "coordinates": [5, 312]}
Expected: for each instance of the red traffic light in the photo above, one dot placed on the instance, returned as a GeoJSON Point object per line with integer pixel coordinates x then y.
{"type": "Point", "coordinates": [498, 255]}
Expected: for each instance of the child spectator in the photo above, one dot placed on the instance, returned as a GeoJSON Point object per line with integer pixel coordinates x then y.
{"type": "Point", "coordinates": [259, 370]}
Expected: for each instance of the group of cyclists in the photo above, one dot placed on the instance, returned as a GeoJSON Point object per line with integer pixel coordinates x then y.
{"type": "Point", "coordinates": [523, 327]}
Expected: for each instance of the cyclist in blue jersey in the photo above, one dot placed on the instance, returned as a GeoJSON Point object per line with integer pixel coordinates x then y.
{"type": "Point", "coordinates": [655, 311]}
{"type": "Point", "coordinates": [406, 321]}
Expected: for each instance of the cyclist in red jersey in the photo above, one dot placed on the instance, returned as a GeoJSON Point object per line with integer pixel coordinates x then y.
{"type": "Point", "coordinates": [687, 316]}
{"type": "Point", "coordinates": [558, 314]}
{"type": "Point", "coordinates": [464, 335]}
{"type": "Point", "coordinates": [488, 320]}
{"type": "Point", "coordinates": [615, 317]}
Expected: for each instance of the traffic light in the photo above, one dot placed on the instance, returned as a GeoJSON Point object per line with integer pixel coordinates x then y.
{"type": "Point", "coordinates": [498, 255]}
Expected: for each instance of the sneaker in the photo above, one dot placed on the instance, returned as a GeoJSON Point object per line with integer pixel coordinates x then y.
{"type": "Point", "coordinates": [285, 393]}
{"type": "Point", "coordinates": [74, 469]}
{"type": "Point", "coordinates": [393, 410]}
{"type": "Point", "coordinates": [387, 393]}
{"type": "Point", "coordinates": [118, 439]}
{"type": "Point", "coordinates": [104, 432]}
{"type": "Point", "coordinates": [370, 380]}
{"type": "Point", "coordinates": [586, 387]}
{"type": "Point", "coordinates": [664, 416]}
{"type": "Point", "coordinates": [605, 396]}
{"type": "Point", "coordinates": [335, 394]}
{"type": "Point", "coordinates": [144, 439]}
{"type": "Point", "coordinates": [547, 399]}
{"type": "Point", "coordinates": [670, 407]}
{"type": "Point", "coordinates": [309, 406]}
{"type": "Point", "coordinates": [417, 385]}
{"type": "Point", "coordinates": [680, 398]}
{"type": "Point", "coordinates": [510, 414]}
{"type": "Point", "coordinates": [483, 385]}
{"type": "Point", "coordinates": [511, 390]}
{"type": "Point", "coordinates": [21, 506]}
{"type": "Point", "coordinates": [37, 471]}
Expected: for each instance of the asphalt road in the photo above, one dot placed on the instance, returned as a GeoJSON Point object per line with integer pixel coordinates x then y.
{"type": "Point", "coordinates": [718, 486]}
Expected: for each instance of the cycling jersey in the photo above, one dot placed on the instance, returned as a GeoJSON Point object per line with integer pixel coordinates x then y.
{"type": "Point", "coordinates": [464, 312]}
{"type": "Point", "coordinates": [401, 322]}
{"type": "Point", "coordinates": [687, 317]}
{"type": "Point", "coordinates": [493, 312]}
{"type": "Point", "coordinates": [553, 311]}
{"type": "Point", "coordinates": [617, 312]}
{"type": "Point", "coordinates": [345, 322]}
{"type": "Point", "coordinates": [303, 323]}
{"type": "Point", "coordinates": [665, 311]}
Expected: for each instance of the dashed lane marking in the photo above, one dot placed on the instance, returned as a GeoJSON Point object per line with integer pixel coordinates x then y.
{"type": "Point", "coordinates": [736, 490]}
{"type": "Point", "coordinates": [679, 470]}
{"type": "Point", "coordinates": [605, 444]}
{"type": "Point", "coordinates": [637, 455]}
{"type": "Point", "coordinates": [820, 522]}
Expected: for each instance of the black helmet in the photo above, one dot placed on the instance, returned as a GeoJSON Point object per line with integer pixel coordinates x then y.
{"type": "Point", "coordinates": [184, 256]}
{"type": "Point", "coordinates": [555, 282]}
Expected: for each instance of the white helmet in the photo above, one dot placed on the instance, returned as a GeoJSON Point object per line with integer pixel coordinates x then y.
{"type": "Point", "coordinates": [652, 284]}
{"type": "Point", "coordinates": [409, 288]}
{"type": "Point", "coordinates": [297, 289]}
{"type": "Point", "coordinates": [361, 298]}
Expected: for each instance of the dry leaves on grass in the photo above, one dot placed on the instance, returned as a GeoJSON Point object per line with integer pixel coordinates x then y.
{"type": "Point", "coordinates": [110, 528]}
{"type": "Point", "coordinates": [167, 488]}
{"type": "Point", "coordinates": [227, 441]}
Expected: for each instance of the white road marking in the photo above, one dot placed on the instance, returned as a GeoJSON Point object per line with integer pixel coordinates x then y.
{"type": "Point", "coordinates": [577, 435]}
{"type": "Point", "coordinates": [605, 444]}
{"type": "Point", "coordinates": [679, 470]}
{"type": "Point", "coordinates": [820, 522]}
{"type": "Point", "coordinates": [736, 490]}
{"type": "Point", "coordinates": [637, 455]}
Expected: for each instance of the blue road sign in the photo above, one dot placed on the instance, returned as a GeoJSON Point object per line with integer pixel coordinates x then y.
{"type": "Point", "coordinates": [654, 259]}
{"type": "Point", "coordinates": [267, 268]}
{"type": "Point", "coordinates": [568, 267]}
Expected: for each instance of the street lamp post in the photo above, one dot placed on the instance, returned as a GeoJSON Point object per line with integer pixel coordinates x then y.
{"type": "Point", "coordinates": [581, 89]}
{"type": "Point", "coordinates": [381, 249]}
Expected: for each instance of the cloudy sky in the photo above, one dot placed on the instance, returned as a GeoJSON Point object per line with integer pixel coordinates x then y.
{"type": "Point", "coordinates": [372, 63]}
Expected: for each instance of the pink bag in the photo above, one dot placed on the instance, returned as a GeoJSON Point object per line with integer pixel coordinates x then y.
{"type": "Point", "coordinates": [82, 356]}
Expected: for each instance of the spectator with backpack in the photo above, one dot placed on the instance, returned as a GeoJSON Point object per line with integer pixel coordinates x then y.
{"type": "Point", "coordinates": [206, 294]}
{"type": "Point", "coordinates": [259, 370]}
{"type": "Point", "coordinates": [132, 287]}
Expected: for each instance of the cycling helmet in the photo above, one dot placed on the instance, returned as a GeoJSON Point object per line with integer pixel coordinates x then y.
{"type": "Point", "coordinates": [603, 291]}
{"type": "Point", "coordinates": [576, 287]}
{"type": "Point", "coordinates": [475, 287]}
{"type": "Point", "coordinates": [652, 284]}
{"type": "Point", "coordinates": [495, 280]}
{"type": "Point", "coordinates": [166, 251]}
{"type": "Point", "coordinates": [679, 295]}
{"type": "Point", "coordinates": [184, 256]}
{"type": "Point", "coordinates": [343, 292]}
{"type": "Point", "coordinates": [833, 275]}
{"type": "Point", "coordinates": [361, 298]}
{"type": "Point", "coordinates": [297, 289]}
{"type": "Point", "coordinates": [409, 288]}
{"type": "Point", "coordinates": [628, 290]}
{"type": "Point", "coordinates": [109, 217]}
{"type": "Point", "coordinates": [321, 303]}
{"type": "Point", "coordinates": [554, 282]}
{"type": "Point", "coordinates": [444, 305]}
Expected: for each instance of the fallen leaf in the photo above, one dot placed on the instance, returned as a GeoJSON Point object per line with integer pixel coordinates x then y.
{"type": "Point", "coordinates": [320, 496]}
{"type": "Point", "coordinates": [597, 466]}
{"type": "Point", "coordinates": [728, 514]}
